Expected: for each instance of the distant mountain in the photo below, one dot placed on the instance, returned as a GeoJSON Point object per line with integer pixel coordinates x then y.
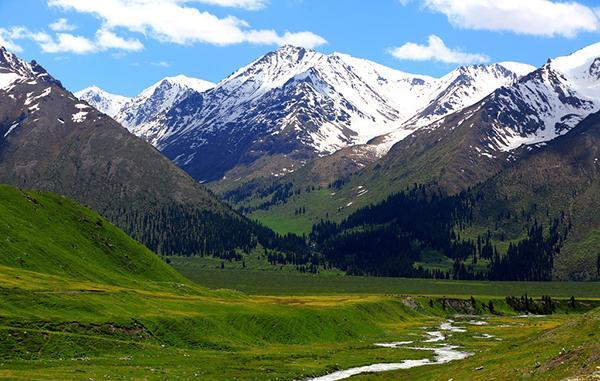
{"type": "Point", "coordinates": [458, 151]}
{"type": "Point", "coordinates": [293, 105]}
{"type": "Point", "coordinates": [52, 141]}
{"type": "Point", "coordinates": [472, 144]}
{"type": "Point", "coordinates": [461, 88]}
{"type": "Point", "coordinates": [139, 113]}
{"type": "Point", "coordinates": [103, 101]}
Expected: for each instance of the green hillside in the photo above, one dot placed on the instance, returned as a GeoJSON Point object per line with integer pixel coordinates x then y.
{"type": "Point", "coordinates": [97, 162]}
{"type": "Point", "coordinates": [47, 233]}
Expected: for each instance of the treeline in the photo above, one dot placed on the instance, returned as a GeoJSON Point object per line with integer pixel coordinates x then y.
{"type": "Point", "coordinates": [206, 233]}
{"type": "Point", "coordinates": [386, 239]}
{"type": "Point", "coordinates": [532, 258]}
{"type": "Point", "coordinates": [546, 306]}
{"type": "Point", "coordinates": [390, 238]}
{"type": "Point", "coordinates": [210, 234]}
{"type": "Point", "coordinates": [273, 194]}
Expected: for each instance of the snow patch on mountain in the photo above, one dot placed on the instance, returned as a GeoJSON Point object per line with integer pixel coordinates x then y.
{"type": "Point", "coordinates": [7, 80]}
{"type": "Point", "coordinates": [582, 70]}
{"type": "Point", "coordinates": [12, 67]}
{"type": "Point", "coordinates": [520, 69]}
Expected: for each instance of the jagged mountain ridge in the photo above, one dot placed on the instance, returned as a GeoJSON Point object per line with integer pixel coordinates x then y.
{"type": "Point", "coordinates": [461, 88]}
{"type": "Point", "coordinates": [472, 144]}
{"type": "Point", "coordinates": [108, 103]}
{"type": "Point", "coordinates": [139, 113]}
{"type": "Point", "coordinates": [299, 104]}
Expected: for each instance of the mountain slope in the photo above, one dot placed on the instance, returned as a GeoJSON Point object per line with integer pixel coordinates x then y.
{"type": "Point", "coordinates": [103, 101]}
{"type": "Point", "coordinates": [470, 145]}
{"type": "Point", "coordinates": [455, 91]}
{"type": "Point", "coordinates": [50, 234]}
{"type": "Point", "coordinates": [50, 140]}
{"type": "Point", "coordinates": [535, 220]}
{"type": "Point", "coordinates": [562, 177]}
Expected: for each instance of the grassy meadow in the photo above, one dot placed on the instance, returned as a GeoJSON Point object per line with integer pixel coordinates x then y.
{"type": "Point", "coordinates": [269, 280]}
{"type": "Point", "coordinates": [56, 328]}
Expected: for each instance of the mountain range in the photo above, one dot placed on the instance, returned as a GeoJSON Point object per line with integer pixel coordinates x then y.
{"type": "Point", "coordinates": [293, 105]}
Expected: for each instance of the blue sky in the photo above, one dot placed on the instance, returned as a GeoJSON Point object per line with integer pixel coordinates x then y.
{"type": "Point", "coordinates": [125, 45]}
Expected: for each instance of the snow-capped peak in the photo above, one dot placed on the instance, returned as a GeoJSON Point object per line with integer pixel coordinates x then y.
{"type": "Point", "coordinates": [363, 99]}
{"type": "Point", "coordinates": [544, 104]}
{"type": "Point", "coordinates": [461, 88]}
{"type": "Point", "coordinates": [158, 98]}
{"type": "Point", "coordinates": [108, 103]}
{"type": "Point", "coordinates": [270, 71]}
{"type": "Point", "coordinates": [582, 70]}
{"type": "Point", "coordinates": [181, 81]}
{"type": "Point", "coordinates": [13, 69]}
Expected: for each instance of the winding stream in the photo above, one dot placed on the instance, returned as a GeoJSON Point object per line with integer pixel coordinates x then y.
{"type": "Point", "coordinates": [442, 353]}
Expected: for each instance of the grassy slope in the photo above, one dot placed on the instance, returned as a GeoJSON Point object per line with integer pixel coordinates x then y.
{"type": "Point", "coordinates": [50, 234]}
{"type": "Point", "coordinates": [49, 329]}
{"type": "Point", "coordinates": [578, 255]}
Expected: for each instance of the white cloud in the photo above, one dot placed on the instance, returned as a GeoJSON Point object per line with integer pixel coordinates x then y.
{"type": "Point", "coordinates": [436, 50]}
{"type": "Point", "coordinates": [246, 4]}
{"type": "Point", "coordinates": [304, 39]}
{"type": "Point", "coordinates": [160, 64]}
{"type": "Point", "coordinates": [172, 21]}
{"type": "Point", "coordinates": [270, 37]}
{"type": "Point", "coordinates": [106, 39]}
{"type": "Point", "coordinates": [532, 17]}
{"type": "Point", "coordinates": [8, 37]}
{"type": "Point", "coordinates": [68, 43]}
{"type": "Point", "coordinates": [62, 25]}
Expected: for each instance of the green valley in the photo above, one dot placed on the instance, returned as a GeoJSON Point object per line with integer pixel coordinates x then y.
{"type": "Point", "coordinates": [81, 300]}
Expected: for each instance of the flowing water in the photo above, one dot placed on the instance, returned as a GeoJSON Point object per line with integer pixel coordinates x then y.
{"type": "Point", "coordinates": [442, 353]}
